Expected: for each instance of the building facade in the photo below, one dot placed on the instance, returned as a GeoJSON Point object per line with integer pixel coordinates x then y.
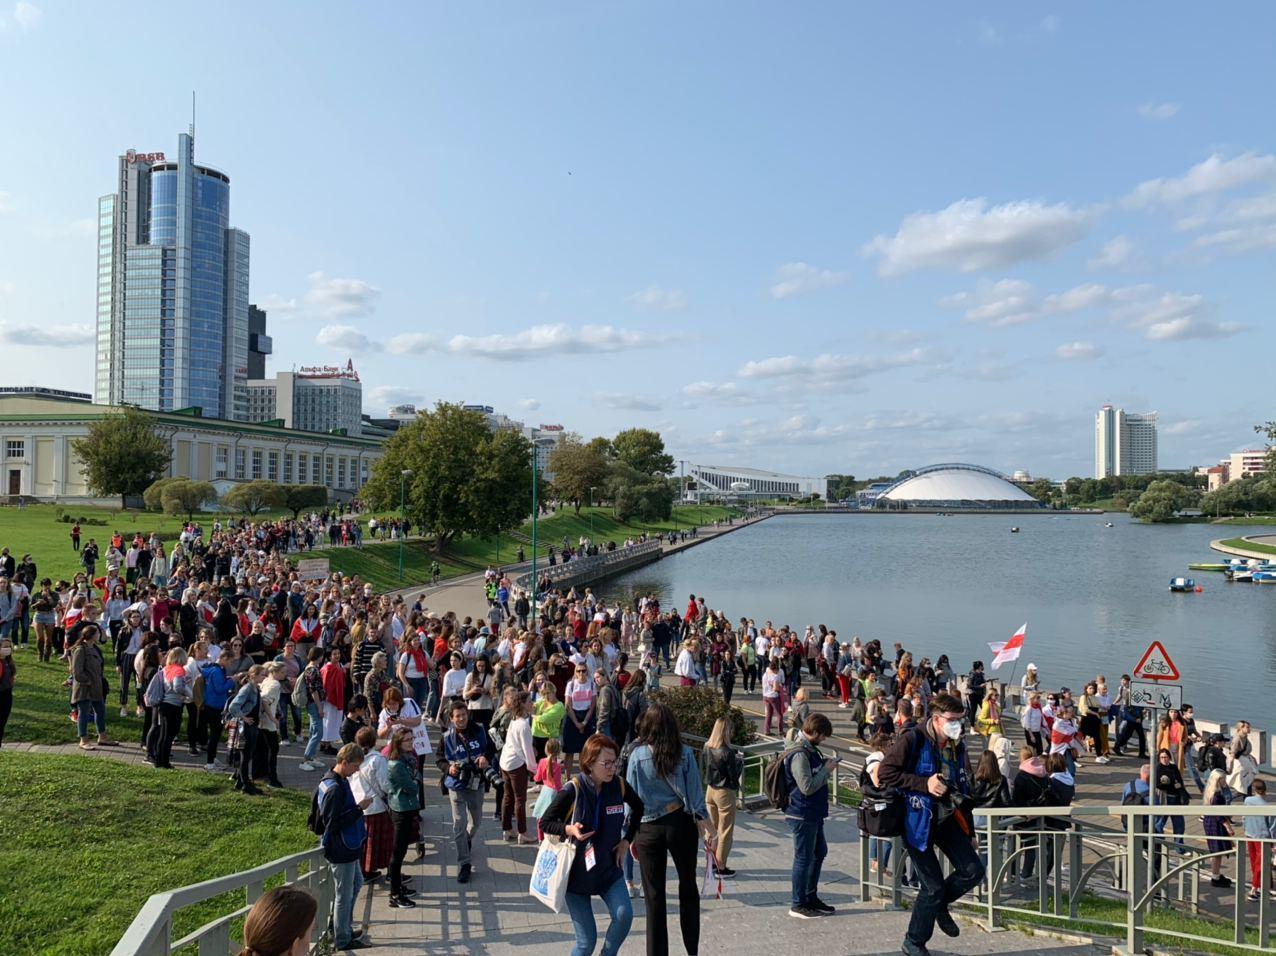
{"type": "Point", "coordinates": [259, 343]}
{"type": "Point", "coordinates": [38, 461]}
{"type": "Point", "coordinates": [314, 399]}
{"type": "Point", "coordinates": [1125, 443]}
{"type": "Point", "coordinates": [731, 482]}
{"type": "Point", "coordinates": [172, 302]}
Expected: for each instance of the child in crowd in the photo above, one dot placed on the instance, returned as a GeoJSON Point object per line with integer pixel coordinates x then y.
{"type": "Point", "coordinates": [356, 718]}
{"type": "Point", "coordinates": [549, 774]}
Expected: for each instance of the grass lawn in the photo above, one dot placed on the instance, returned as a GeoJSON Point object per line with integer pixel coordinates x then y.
{"type": "Point", "coordinates": [41, 705]}
{"type": "Point", "coordinates": [1249, 545]}
{"type": "Point", "coordinates": [1253, 520]}
{"type": "Point", "coordinates": [85, 841]}
{"type": "Point", "coordinates": [378, 563]}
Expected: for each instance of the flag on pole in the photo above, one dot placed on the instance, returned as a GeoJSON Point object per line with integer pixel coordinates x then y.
{"type": "Point", "coordinates": [1006, 651]}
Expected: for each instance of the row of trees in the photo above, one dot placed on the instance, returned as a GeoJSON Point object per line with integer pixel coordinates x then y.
{"type": "Point", "coordinates": [182, 496]}
{"type": "Point", "coordinates": [629, 471]}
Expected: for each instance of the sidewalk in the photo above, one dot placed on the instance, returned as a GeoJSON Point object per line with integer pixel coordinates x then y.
{"type": "Point", "coordinates": [493, 914]}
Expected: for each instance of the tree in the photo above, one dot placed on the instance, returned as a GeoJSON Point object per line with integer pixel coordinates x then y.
{"type": "Point", "coordinates": [577, 468]}
{"type": "Point", "coordinates": [153, 497]}
{"type": "Point", "coordinates": [1162, 501]}
{"type": "Point", "coordinates": [643, 449]}
{"type": "Point", "coordinates": [464, 479]}
{"type": "Point", "coordinates": [1268, 431]}
{"type": "Point", "coordinates": [1043, 489]}
{"type": "Point", "coordinates": [1242, 496]}
{"type": "Point", "coordinates": [841, 487]}
{"type": "Point", "coordinates": [122, 454]}
{"type": "Point", "coordinates": [184, 497]}
{"type": "Point", "coordinates": [637, 495]}
{"type": "Point", "coordinates": [299, 497]}
{"type": "Point", "coordinates": [254, 497]}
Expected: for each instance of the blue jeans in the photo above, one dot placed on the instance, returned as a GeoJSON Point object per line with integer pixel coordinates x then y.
{"type": "Point", "coordinates": [809, 851]}
{"type": "Point", "coordinates": [316, 731]}
{"type": "Point", "coordinates": [90, 710]}
{"type": "Point", "coordinates": [580, 907]}
{"type": "Point", "coordinates": [348, 878]}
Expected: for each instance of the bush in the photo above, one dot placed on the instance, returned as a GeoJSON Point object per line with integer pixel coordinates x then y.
{"type": "Point", "coordinates": [698, 707]}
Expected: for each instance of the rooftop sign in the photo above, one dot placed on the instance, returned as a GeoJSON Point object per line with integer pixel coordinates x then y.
{"type": "Point", "coordinates": [133, 156]}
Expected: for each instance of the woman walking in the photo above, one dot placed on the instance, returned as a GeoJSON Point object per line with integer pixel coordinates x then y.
{"type": "Point", "coordinates": [590, 809]}
{"type": "Point", "coordinates": [88, 686]}
{"type": "Point", "coordinates": [177, 694]}
{"type": "Point", "coordinates": [581, 701]}
{"type": "Point", "coordinates": [517, 759]}
{"type": "Point", "coordinates": [374, 776]}
{"type": "Point", "coordinates": [404, 799]}
{"type": "Point", "coordinates": [268, 723]}
{"type": "Point", "coordinates": [1217, 828]}
{"type": "Point", "coordinates": [773, 694]}
{"type": "Point", "coordinates": [666, 776]}
{"type": "Point", "coordinates": [723, 766]}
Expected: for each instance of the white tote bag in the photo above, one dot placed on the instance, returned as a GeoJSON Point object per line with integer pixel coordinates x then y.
{"type": "Point", "coordinates": [549, 875]}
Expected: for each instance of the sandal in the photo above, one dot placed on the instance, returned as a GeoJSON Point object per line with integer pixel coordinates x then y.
{"type": "Point", "coordinates": [84, 746]}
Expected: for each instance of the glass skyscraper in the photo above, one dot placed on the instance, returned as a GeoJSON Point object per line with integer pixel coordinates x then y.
{"type": "Point", "coordinates": [172, 307]}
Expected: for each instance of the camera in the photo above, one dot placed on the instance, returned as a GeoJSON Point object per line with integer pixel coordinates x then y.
{"type": "Point", "coordinates": [467, 770]}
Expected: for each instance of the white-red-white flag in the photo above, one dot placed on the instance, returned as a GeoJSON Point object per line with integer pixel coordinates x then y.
{"type": "Point", "coordinates": [1006, 651]}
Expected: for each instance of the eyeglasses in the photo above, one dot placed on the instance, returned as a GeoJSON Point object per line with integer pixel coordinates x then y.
{"type": "Point", "coordinates": [607, 764]}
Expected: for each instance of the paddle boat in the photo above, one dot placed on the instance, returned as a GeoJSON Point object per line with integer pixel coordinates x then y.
{"type": "Point", "coordinates": [1209, 566]}
{"type": "Point", "coordinates": [1264, 577]}
{"type": "Point", "coordinates": [1014, 530]}
{"type": "Point", "coordinates": [1182, 584]}
{"type": "Point", "coordinates": [1109, 525]}
{"type": "Point", "coordinates": [1240, 574]}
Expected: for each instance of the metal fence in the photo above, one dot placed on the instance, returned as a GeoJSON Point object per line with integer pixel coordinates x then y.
{"type": "Point", "coordinates": [579, 570]}
{"type": "Point", "coordinates": [151, 932]}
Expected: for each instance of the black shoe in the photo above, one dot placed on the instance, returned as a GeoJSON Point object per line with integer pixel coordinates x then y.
{"type": "Point", "coordinates": [420, 852]}
{"type": "Point", "coordinates": [804, 912]}
{"type": "Point", "coordinates": [1221, 882]}
{"type": "Point", "coordinates": [913, 949]}
{"type": "Point", "coordinates": [275, 784]}
{"type": "Point", "coordinates": [401, 902]}
{"type": "Point", "coordinates": [358, 943]}
{"type": "Point", "coordinates": [725, 871]}
{"type": "Point", "coordinates": [251, 791]}
{"type": "Point", "coordinates": [463, 876]}
{"type": "Point", "coordinates": [372, 877]}
{"type": "Point", "coordinates": [947, 925]}
{"type": "Point", "coordinates": [818, 904]}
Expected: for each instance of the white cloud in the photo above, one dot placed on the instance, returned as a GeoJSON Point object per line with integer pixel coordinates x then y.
{"type": "Point", "coordinates": [334, 298]}
{"type": "Point", "coordinates": [828, 368]}
{"type": "Point", "coordinates": [721, 393]}
{"type": "Point", "coordinates": [1214, 175]}
{"type": "Point", "coordinates": [1244, 225]}
{"type": "Point", "coordinates": [628, 403]}
{"type": "Point", "coordinates": [754, 433]}
{"type": "Point", "coordinates": [7, 287]}
{"type": "Point", "coordinates": [1077, 299]}
{"type": "Point", "coordinates": [383, 396]}
{"type": "Point", "coordinates": [1009, 302]}
{"type": "Point", "coordinates": [6, 202]}
{"type": "Point", "coordinates": [412, 343]}
{"type": "Point", "coordinates": [560, 339]}
{"type": "Point", "coordinates": [1186, 427]}
{"type": "Point", "coordinates": [276, 304]}
{"type": "Point", "coordinates": [1174, 316]}
{"type": "Point", "coordinates": [346, 338]}
{"type": "Point", "coordinates": [55, 336]}
{"type": "Point", "coordinates": [908, 421]}
{"type": "Point", "coordinates": [799, 278]}
{"type": "Point", "coordinates": [1116, 253]}
{"type": "Point", "coordinates": [657, 299]}
{"type": "Point", "coordinates": [1158, 111]}
{"type": "Point", "coordinates": [1074, 351]}
{"type": "Point", "coordinates": [1190, 327]}
{"type": "Point", "coordinates": [529, 404]}
{"type": "Point", "coordinates": [27, 15]}
{"type": "Point", "coordinates": [969, 235]}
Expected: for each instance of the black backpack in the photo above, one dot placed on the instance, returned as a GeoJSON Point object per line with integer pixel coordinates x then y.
{"type": "Point", "coordinates": [881, 811]}
{"type": "Point", "coordinates": [314, 822]}
{"type": "Point", "coordinates": [775, 781]}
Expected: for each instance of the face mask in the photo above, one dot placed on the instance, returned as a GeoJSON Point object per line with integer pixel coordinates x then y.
{"type": "Point", "coordinates": [5, 651]}
{"type": "Point", "coordinates": [952, 729]}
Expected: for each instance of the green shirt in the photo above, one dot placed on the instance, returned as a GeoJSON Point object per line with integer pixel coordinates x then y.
{"type": "Point", "coordinates": [403, 796]}
{"type": "Point", "coordinates": [548, 721]}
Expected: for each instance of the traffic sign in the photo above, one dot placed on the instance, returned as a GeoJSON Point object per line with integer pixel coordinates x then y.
{"type": "Point", "coordinates": [1157, 695]}
{"type": "Point", "coordinates": [1155, 664]}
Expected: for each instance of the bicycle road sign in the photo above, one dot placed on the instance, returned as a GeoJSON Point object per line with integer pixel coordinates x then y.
{"type": "Point", "coordinates": [1155, 664]}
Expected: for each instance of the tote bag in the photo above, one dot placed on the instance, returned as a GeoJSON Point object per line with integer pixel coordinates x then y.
{"type": "Point", "coordinates": [549, 875]}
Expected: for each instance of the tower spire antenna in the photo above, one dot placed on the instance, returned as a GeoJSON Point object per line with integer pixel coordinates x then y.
{"type": "Point", "coordinates": [192, 114]}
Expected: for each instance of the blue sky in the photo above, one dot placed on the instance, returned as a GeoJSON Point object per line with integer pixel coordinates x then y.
{"type": "Point", "coordinates": [815, 238]}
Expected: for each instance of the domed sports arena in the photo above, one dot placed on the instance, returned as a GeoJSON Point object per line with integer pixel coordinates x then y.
{"type": "Point", "coordinates": [956, 487]}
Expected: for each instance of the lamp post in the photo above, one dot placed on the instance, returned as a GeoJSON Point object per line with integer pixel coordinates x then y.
{"type": "Point", "coordinates": [403, 491]}
{"type": "Point", "coordinates": [592, 489]}
{"type": "Point", "coordinates": [536, 508]}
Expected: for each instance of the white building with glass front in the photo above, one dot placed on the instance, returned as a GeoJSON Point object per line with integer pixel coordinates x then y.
{"type": "Point", "coordinates": [729, 481]}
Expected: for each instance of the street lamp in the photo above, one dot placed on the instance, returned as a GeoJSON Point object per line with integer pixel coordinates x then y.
{"type": "Point", "coordinates": [403, 491]}
{"type": "Point", "coordinates": [592, 489]}
{"type": "Point", "coordinates": [536, 509]}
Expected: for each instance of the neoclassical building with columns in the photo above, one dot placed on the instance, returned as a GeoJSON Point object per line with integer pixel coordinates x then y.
{"type": "Point", "coordinates": [37, 427]}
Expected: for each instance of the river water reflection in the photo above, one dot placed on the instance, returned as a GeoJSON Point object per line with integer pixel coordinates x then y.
{"type": "Point", "coordinates": [1093, 597]}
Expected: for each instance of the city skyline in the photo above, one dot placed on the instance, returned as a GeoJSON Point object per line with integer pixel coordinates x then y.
{"type": "Point", "coordinates": [843, 241]}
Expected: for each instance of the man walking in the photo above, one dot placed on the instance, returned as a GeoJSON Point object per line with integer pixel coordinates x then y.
{"type": "Point", "coordinates": [462, 758]}
{"type": "Point", "coordinates": [929, 764]}
{"type": "Point", "coordinates": [807, 771]}
{"type": "Point", "coordinates": [344, 833]}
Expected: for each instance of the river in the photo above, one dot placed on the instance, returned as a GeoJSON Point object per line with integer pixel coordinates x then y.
{"type": "Point", "coordinates": [1093, 597]}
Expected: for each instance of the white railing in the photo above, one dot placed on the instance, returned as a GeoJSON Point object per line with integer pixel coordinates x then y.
{"type": "Point", "coordinates": [151, 932]}
{"type": "Point", "coordinates": [1103, 855]}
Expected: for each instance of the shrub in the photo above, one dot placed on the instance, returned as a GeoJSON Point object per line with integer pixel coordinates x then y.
{"type": "Point", "coordinates": [698, 707]}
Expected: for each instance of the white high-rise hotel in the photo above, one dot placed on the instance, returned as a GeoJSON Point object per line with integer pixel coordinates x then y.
{"type": "Point", "coordinates": [1124, 443]}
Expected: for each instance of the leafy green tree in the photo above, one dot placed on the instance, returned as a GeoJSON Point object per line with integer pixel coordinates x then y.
{"type": "Point", "coordinates": [841, 487]}
{"type": "Point", "coordinates": [463, 480]}
{"type": "Point", "coordinates": [122, 454]}
{"type": "Point", "coordinates": [299, 497]}
{"type": "Point", "coordinates": [185, 497]}
{"type": "Point", "coordinates": [637, 495]}
{"type": "Point", "coordinates": [1243, 496]}
{"type": "Point", "coordinates": [577, 467]}
{"type": "Point", "coordinates": [254, 497]}
{"type": "Point", "coordinates": [643, 449]}
{"type": "Point", "coordinates": [1162, 501]}
{"type": "Point", "coordinates": [153, 497]}
{"type": "Point", "coordinates": [1043, 489]}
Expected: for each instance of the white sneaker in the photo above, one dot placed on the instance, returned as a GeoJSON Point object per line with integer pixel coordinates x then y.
{"type": "Point", "coordinates": [307, 767]}
{"type": "Point", "coordinates": [123, 711]}
{"type": "Point", "coordinates": [841, 706]}
{"type": "Point", "coordinates": [210, 767]}
{"type": "Point", "coordinates": [285, 743]}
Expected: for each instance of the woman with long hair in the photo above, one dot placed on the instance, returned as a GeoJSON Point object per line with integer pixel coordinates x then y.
{"type": "Point", "coordinates": [1217, 828]}
{"type": "Point", "coordinates": [723, 767]}
{"type": "Point", "coordinates": [280, 923]}
{"type": "Point", "coordinates": [666, 776]}
{"type": "Point", "coordinates": [402, 796]}
{"type": "Point", "coordinates": [517, 762]}
{"type": "Point", "coordinates": [581, 701]}
{"type": "Point", "coordinates": [478, 691]}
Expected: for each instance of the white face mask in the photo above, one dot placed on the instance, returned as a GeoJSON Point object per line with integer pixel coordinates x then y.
{"type": "Point", "coordinates": [952, 729]}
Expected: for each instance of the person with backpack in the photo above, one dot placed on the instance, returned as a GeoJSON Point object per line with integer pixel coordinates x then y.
{"type": "Point", "coordinates": [798, 781]}
{"type": "Point", "coordinates": [246, 709]}
{"type": "Point", "coordinates": [308, 695]}
{"type": "Point", "coordinates": [217, 690]}
{"type": "Point", "coordinates": [337, 818]}
{"type": "Point", "coordinates": [929, 763]}
{"type": "Point", "coordinates": [591, 810]}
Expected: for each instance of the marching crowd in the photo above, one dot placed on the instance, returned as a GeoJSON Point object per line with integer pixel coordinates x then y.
{"type": "Point", "coordinates": [218, 643]}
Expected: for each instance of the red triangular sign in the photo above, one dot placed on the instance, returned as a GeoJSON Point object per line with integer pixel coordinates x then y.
{"type": "Point", "coordinates": [1155, 664]}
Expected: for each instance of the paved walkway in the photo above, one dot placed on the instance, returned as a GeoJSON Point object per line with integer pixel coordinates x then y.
{"type": "Point", "coordinates": [493, 914]}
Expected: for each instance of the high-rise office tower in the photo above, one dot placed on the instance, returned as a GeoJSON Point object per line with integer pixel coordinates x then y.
{"type": "Point", "coordinates": [259, 344]}
{"type": "Point", "coordinates": [1124, 442]}
{"type": "Point", "coordinates": [172, 305]}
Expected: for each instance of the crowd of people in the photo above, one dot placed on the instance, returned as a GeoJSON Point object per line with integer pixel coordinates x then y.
{"type": "Point", "coordinates": [218, 642]}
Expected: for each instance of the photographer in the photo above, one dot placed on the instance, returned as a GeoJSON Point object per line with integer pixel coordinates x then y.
{"type": "Point", "coordinates": [467, 771]}
{"type": "Point", "coordinates": [929, 764]}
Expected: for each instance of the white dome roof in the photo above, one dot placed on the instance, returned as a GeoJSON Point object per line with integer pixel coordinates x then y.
{"type": "Point", "coordinates": [956, 483]}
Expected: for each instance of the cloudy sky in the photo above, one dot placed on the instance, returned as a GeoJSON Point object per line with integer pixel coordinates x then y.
{"type": "Point", "coordinates": [822, 238]}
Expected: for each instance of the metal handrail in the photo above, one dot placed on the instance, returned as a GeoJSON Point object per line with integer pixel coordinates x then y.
{"type": "Point", "coordinates": [151, 932]}
{"type": "Point", "coordinates": [588, 566]}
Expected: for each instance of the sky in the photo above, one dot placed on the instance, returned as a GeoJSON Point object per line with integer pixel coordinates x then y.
{"type": "Point", "coordinates": [813, 238]}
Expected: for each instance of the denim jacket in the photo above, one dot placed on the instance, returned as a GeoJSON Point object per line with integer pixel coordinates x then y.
{"type": "Point", "coordinates": [657, 793]}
